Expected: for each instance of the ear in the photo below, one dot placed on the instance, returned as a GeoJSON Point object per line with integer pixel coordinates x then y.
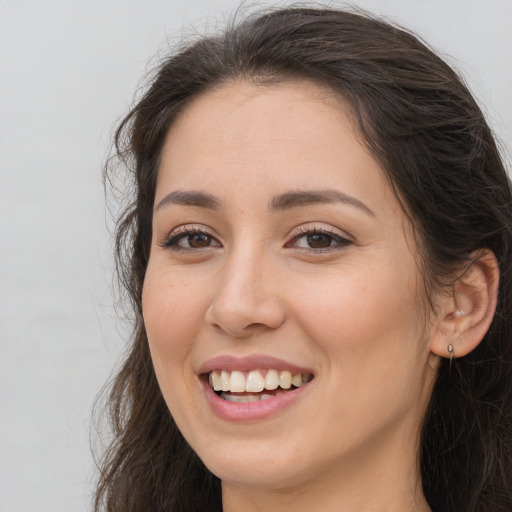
{"type": "Point", "coordinates": [466, 314]}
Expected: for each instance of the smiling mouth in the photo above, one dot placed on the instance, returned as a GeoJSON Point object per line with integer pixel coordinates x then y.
{"type": "Point", "coordinates": [254, 385]}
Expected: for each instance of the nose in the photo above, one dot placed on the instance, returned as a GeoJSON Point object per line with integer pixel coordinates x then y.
{"type": "Point", "coordinates": [247, 299]}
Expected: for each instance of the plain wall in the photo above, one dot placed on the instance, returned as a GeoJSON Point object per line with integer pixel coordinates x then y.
{"type": "Point", "coordinates": [68, 71]}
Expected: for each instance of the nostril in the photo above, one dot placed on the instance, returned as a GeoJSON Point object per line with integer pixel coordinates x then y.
{"type": "Point", "coordinates": [242, 305]}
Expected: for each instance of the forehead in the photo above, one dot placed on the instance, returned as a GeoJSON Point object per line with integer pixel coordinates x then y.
{"type": "Point", "coordinates": [296, 130]}
{"type": "Point", "coordinates": [232, 102]}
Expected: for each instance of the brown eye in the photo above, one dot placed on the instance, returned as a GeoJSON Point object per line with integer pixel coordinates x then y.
{"type": "Point", "coordinates": [198, 240]}
{"type": "Point", "coordinates": [190, 239]}
{"type": "Point", "coordinates": [319, 240]}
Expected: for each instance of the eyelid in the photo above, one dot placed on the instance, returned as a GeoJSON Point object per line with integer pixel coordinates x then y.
{"type": "Point", "coordinates": [310, 228]}
{"type": "Point", "coordinates": [188, 229]}
{"type": "Point", "coordinates": [341, 238]}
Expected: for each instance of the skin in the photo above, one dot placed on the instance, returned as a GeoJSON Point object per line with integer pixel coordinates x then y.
{"type": "Point", "coordinates": [352, 312]}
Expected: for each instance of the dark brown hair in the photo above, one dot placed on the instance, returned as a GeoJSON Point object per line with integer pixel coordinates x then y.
{"type": "Point", "coordinates": [423, 126]}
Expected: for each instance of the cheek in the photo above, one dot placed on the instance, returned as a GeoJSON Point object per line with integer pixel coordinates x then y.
{"type": "Point", "coordinates": [368, 325]}
{"type": "Point", "coordinates": [172, 313]}
{"type": "Point", "coordinates": [371, 344]}
{"type": "Point", "coordinates": [354, 302]}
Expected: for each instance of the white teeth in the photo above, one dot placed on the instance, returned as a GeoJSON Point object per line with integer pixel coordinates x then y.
{"type": "Point", "coordinates": [285, 380]}
{"type": "Point", "coordinates": [297, 380]}
{"type": "Point", "coordinates": [271, 380]}
{"type": "Point", "coordinates": [215, 377]}
{"type": "Point", "coordinates": [224, 380]}
{"type": "Point", "coordinates": [240, 398]}
{"type": "Point", "coordinates": [237, 382]}
{"type": "Point", "coordinates": [255, 382]}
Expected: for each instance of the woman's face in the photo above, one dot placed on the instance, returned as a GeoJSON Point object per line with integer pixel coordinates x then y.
{"type": "Point", "coordinates": [280, 253]}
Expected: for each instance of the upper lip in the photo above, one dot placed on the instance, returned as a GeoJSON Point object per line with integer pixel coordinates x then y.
{"type": "Point", "coordinates": [248, 363]}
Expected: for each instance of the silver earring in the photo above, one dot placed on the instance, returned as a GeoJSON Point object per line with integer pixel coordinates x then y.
{"type": "Point", "coordinates": [451, 351]}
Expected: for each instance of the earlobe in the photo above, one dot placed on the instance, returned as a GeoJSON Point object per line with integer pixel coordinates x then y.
{"type": "Point", "coordinates": [467, 313]}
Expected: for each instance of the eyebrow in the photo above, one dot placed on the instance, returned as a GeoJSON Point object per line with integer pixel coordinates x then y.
{"type": "Point", "coordinates": [190, 198]}
{"type": "Point", "coordinates": [296, 199]}
{"type": "Point", "coordinates": [281, 202]}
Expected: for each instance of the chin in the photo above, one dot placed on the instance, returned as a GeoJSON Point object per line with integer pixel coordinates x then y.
{"type": "Point", "coordinates": [256, 474]}
{"type": "Point", "coordinates": [263, 465]}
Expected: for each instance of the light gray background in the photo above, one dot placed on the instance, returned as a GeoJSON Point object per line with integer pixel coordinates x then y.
{"type": "Point", "coordinates": [68, 70]}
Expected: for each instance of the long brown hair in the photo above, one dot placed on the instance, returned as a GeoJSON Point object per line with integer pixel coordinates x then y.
{"type": "Point", "coordinates": [430, 137]}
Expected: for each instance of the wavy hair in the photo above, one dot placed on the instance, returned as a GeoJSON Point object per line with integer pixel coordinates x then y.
{"type": "Point", "coordinates": [425, 129]}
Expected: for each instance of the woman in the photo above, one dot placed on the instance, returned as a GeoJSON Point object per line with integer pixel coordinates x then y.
{"type": "Point", "coordinates": [319, 259]}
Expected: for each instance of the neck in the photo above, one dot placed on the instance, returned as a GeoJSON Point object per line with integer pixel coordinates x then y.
{"type": "Point", "coordinates": [326, 498]}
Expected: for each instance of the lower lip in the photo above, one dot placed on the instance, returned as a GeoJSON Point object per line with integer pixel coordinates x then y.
{"type": "Point", "coordinates": [251, 411]}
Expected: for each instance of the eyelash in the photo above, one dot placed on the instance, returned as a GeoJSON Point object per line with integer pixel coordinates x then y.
{"type": "Point", "coordinates": [336, 241]}
{"type": "Point", "coordinates": [183, 232]}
